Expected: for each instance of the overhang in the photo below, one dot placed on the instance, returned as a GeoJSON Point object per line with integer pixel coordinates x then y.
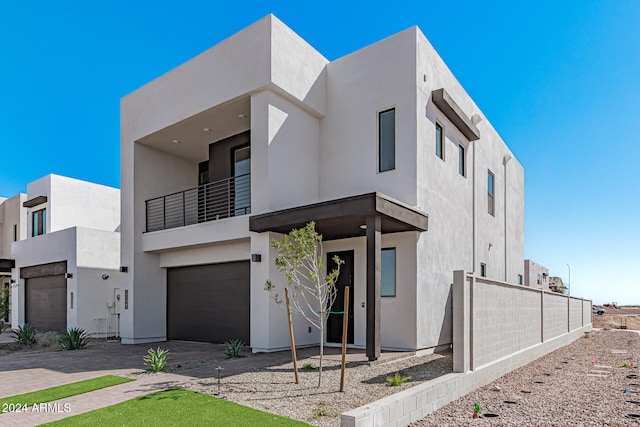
{"type": "Point", "coordinates": [343, 218]}
{"type": "Point", "coordinates": [454, 113]}
{"type": "Point", "coordinates": [35, 201]}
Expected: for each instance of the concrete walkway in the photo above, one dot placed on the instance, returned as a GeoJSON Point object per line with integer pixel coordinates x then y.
{"type": "Point", "coordinates": [189, 362]}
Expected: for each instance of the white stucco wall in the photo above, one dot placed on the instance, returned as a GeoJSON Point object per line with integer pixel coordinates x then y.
{"type": "Point", "coordinates": [12, 214]}
{"type": "Point", "coordinates": [72, 202]}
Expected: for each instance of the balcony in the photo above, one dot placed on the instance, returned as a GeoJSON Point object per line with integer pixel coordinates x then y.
{"type": "Point", "coordinates": [216, 200]}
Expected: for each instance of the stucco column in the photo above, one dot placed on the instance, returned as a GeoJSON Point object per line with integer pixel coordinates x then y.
{"type": "Point", "coordinates": [374, 243]}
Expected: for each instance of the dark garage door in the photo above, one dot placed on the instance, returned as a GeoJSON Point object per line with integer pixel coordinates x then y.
{"type": "Point", "coordinates": [208, 302]}
{"type": "Point", "coordinates": [46, 302]}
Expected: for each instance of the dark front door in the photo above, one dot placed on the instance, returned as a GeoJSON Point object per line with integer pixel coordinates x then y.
{"type": "Point", "coordinates": [334, 322]}
{"type": "Point", "coordinates": [209, 302]}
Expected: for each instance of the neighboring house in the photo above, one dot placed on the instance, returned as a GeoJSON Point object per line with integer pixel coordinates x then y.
{"type": "Point", "coordinates": [536, 275]}
{"type": "Point", "coordinates": [383, 148]}
{"type": "Point", "coordinates": [66, 270]}
{"type": "Point", "coordinates": [13, 227]}
{"type": "Point", "coordinates": [556, 285]}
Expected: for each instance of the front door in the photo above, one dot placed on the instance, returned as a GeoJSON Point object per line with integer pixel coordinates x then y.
{"type": "Point", "coordinates": [334, 322]}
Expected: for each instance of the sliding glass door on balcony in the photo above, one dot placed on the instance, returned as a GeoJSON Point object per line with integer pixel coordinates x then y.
{"type": "Point", "coordinates": [242, 184]}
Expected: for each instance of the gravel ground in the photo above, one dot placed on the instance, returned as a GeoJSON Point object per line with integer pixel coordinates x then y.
{"type": "Point", "coordinates": [273, 389]}
{"type": "Point", "coordinates": [583, 385]}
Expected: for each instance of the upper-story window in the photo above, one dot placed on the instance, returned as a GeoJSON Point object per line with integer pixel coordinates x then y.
{"type": "Point", "coordinates": [387, 140]}
{"type": "Point", "coordinates": [539, 281]}
{"type": "Point", "coordinates": [483, 269]}
{"type": "Point", "coordinates": [491, 193]}
{"type": "Point", "coordinates": [519, 279]}
{"type": "Point", "coordinates": [439, 141]}
{"type": "Point", "coordinates": [39, 224]}
{"type": "Point", "coordinates": [15, 232]}
{"type": "Point", "coordinates": [461, 161]}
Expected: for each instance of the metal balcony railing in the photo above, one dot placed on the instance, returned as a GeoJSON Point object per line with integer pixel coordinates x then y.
{"type": "Point", "coordinates": [216, 200]}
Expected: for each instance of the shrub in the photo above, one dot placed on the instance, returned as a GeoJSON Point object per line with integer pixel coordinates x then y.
{"type": "Point", "coordinates": [307, 367]}
{"type": "Point", "coordinates": [74, 339]}
{"type": "Point", "coordinates": [396, 380]}
{"type": "Point", "coordinates": [235, 348]}
{"type": "Point", "coordinates": [324, 412]}
{"type": "Point", "coordinates": [25, 334]}
{"type": "Point", "coordinates": [156, 360]}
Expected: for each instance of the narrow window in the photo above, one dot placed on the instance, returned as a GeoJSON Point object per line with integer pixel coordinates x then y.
{"type": "Point", "coordinates": [519, 279]}
{"type": "Point", "coordinates": [539, 279]}
{"type": "Point", "coordinates": [490, 193]}
{"type": "Point", "coordinates": [15, 232]}
{"type": "Point", "coordinates": [461, 165]}
{"type": "Point", "coordinates": [387, 140]}
{"type": "Point", "coordinates": [483, 270]}
{"type": "Point", "coordinates": [388, 272]}
{"type": "Point", "coordinates": [439, 141]}
{"type": "Point", "coordinates": [39, 224]}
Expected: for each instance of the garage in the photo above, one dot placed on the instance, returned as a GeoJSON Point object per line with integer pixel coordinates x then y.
{"type": "Point", "coordinates": [209, 303]}
{"type": "Point", "coordinates": [46, 302]}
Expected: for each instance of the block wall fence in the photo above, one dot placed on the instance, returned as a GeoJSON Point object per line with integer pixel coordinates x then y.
{"type": "Point", "coordinates": [497, 327]}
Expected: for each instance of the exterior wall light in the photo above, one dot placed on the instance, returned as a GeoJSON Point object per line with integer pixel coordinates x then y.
{"type": "Point", "coordinates": [256, 258]}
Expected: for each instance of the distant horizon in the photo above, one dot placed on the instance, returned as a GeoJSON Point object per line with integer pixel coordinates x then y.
{"type": "Point", "coordinates": [553, 78]}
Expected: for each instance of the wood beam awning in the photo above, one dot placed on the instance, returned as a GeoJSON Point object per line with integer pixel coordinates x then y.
{"type": "Point", "coordinates": [343, 218]}
{"type": "Point", "coordinates": [454, 113]}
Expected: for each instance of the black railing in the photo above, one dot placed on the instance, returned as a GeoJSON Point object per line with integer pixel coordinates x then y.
{"type": "Point", "coordinates": [208, 202]}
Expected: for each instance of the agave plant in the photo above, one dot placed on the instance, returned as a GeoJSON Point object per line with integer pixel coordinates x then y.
{"type": "Point", "coordinates": [235, 348]}
{"type": "Point", "coordinates": [74, 339]}
{"type": "Point", "coordinates": [25, 334]}
{"type": "Point", "coordinates": [156, 360]}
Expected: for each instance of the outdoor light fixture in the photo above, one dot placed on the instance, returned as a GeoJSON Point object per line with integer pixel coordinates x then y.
{"type": "Point", "coordinates": [105, 276]}
{"type": "Point", "coordinates": [363, 226]}
{"type": "Point", "coordinates": [68, 275]}
{"type": "Point", "coordinates": [207, 130]}
{"type": "Point", "coordinates": [13, 281]}
{"type": "Point", "coordinates": [256, 257]}
{"type": "Point", "coordinates": [124, 269]}
{"type": "Point", "coordinates": [176, 141]}
{"type": "Point", "coordinates": [242, 116]}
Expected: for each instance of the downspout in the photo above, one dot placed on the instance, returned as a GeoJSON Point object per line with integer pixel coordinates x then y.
{"type": "Point", "coordinates": [475, 119]}
{"type": "Point", "coordinates": [505, 160]}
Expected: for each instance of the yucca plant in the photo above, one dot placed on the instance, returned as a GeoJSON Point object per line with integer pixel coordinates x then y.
{"type": "Point", "coordinates": [25, 334]}
{"type": "Point", "coordinates": [235, 348]}
{"type": "Point", "coordinates": [74, 339]}
{"type": "Point", "coordinates": [156, 360]}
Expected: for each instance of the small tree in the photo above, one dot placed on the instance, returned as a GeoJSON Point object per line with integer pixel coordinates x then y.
{"type": "Point", "coordinates": [312, 290]}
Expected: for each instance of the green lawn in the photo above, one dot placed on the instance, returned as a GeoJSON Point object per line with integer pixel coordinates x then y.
{"type": "Point", "coordinates": [177, 407]}
{"type": "Point", "coordinates": [67, 390]}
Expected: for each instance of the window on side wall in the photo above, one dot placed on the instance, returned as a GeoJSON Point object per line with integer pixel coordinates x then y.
{"type": "Point", "coordinates": [387, 140]}
{"type": "Point", "coordinates": [539, 281]}
{"type": "Point", "coordinates": [491, 193]}
{"type": "Point", "coordinates": [461, 161]}
{"type": "Point", "coordinates": [519, 279]}
{"type": "Point", "coordinates": [439, 141]}
{"type": "Point", "coordinates": [388, 272]}
{"type": "Point", "coordinates": [483, 270]}
{"type": "Point", "coordinates": [39, 224]}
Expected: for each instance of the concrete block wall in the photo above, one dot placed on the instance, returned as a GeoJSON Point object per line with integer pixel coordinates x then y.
{"type": "Point", "coordinates": [518, 314]}
{"type": "Point", "coordinates": [515, 327]}
{"type": "Point", "coordinates": [575, 313]}
{"type": "Point", "coordinates": [555, 321]}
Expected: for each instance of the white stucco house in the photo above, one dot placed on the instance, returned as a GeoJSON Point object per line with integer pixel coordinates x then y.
{"type": "Point", "coordinates": [13, 227]}
{"type": "Point", "coordinates": [67, 268]}
{"type": "Point", "coordinates": [536, 275]}
{"type": "Point", "coordinates": [383, 148]}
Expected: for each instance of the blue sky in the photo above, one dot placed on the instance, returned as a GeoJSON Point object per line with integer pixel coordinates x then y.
{"type": "Point", "coordinates": [559, 80]}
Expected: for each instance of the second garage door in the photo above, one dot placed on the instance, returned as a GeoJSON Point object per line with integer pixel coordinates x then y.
{"type": "Point", "coordinates": [46, 302]}
{"type": "Point", "coordinates": [209, 303]}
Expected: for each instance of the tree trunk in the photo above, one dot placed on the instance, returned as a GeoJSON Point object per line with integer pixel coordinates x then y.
{"type": "Point", "coordinates": [321, 348]}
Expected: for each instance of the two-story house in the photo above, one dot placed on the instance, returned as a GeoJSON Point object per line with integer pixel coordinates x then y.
{"type": "Point", "coordinates": [382, 148]}
{"type": "Point", "coordinates": [67, 269]}
{"type": "Point", "coordinates": [13, 227]}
